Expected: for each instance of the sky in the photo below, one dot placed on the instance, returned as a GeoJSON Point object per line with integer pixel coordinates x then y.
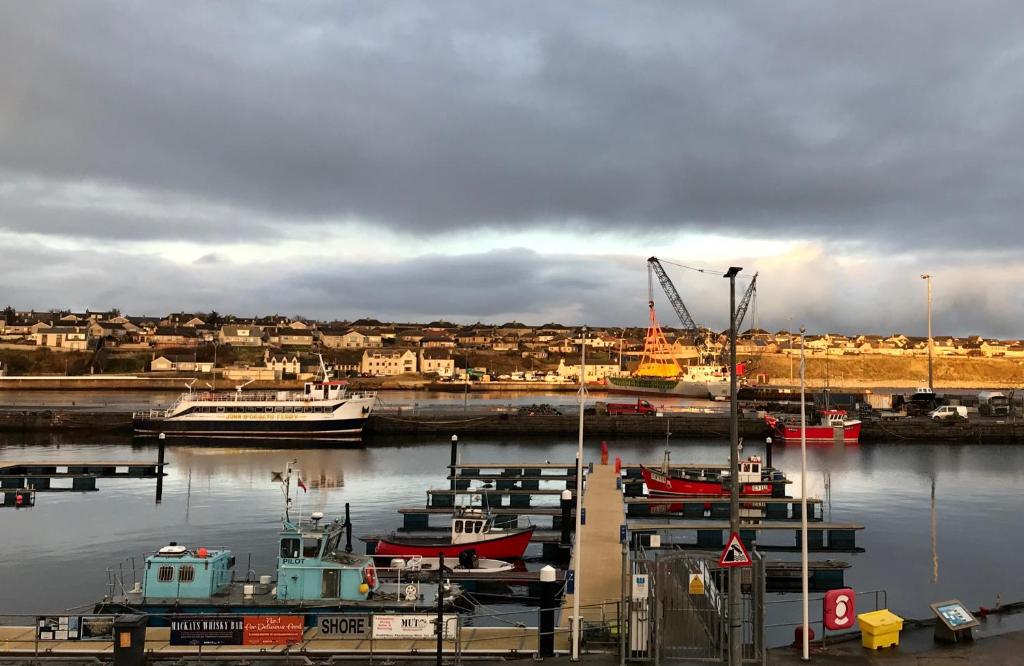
{"type": "Point", "coordinates": [495, 161]}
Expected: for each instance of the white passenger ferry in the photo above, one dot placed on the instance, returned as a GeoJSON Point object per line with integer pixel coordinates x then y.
{"type": "Point", "coordinates": [321, 410]}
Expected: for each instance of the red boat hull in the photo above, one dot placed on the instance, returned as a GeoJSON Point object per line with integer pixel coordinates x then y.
{"type": "Point", "coordinates": [662, 485]}
{"type": "Point", "coordinates": [505, 547]}
{"type": "Point", "coordinates": [790, 434]}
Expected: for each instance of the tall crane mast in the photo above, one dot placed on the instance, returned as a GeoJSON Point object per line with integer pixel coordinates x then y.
{"type": "Point", "coordinates": [689, 326]}
{"type": "Point", "coordinates": [741, 311]}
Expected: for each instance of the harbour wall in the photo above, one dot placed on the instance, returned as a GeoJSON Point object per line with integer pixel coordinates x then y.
{"type": "Point", "coordinates": [690, 426]}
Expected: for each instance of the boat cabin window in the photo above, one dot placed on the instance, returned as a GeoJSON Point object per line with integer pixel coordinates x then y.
{"type": "Point", "coordinates": [289, 548]}
{"type": "Point", "coordinates": [186, 573]}
{"type": "Point", "coordinates": [308, 388]}
{"type": "Point", "coordinates": [458, 527]}
{"type": "Point", "coordinates": [311, 547]}
{"type": "Point", "coordinates": [165, 574]}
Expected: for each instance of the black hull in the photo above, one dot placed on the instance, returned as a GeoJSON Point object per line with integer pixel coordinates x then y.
{"type": "Point", "coordinates": [332, 429]}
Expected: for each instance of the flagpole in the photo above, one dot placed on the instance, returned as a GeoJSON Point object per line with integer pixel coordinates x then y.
{"type": "Point", "coordinates": [803, 504]}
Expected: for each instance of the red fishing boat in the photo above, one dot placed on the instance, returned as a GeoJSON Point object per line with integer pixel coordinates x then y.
{"type": "Point", "coordinates": [831, 426]}
{"type": "Point", "coordinates": [755, 480]}
{"type": "Point", "coordinates": [471, 530]}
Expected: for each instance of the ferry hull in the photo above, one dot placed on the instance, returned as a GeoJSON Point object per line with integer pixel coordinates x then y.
{"type": "Point", "coordinates": [505, 547]}
{"type": "Point", "coordinates": [297, 429]}
{"type": "Point", "coordinates": [661, 485]}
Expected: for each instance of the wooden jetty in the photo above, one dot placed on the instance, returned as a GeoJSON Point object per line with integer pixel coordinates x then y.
{"type": "Point", "coordinates": [710, 534]}
{"type": "Point", "coordinates": [599, 549]}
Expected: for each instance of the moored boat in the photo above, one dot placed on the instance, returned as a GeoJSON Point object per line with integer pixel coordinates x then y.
{"type": "Point", "coordinates": [830, 426]}
{"type": "Point", "coordinates": [471, 529]}
{"type": "Point", "coordinates": [696, 381]}
{"type": "Point", "coordinates": [755, 481]}
{"type": "Point", "coordinates": [314, 573]}
{"type": "Point", "coordinates": [324, 410]}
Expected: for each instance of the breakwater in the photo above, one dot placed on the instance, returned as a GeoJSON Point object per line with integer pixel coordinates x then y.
{"type": "Point", "coordinates": [682, 426]}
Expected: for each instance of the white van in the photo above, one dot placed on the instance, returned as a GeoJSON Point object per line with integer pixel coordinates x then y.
{"type": "Point", "coordinates": [947, 411]}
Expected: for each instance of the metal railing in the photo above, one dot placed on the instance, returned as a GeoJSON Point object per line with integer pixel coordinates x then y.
{"type": "Point", "coordinates": [879, 598]}
{"type": "Point", "coordinates": [484, 633]}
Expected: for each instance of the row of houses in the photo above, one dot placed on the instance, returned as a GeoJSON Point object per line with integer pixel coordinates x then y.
{"type": "Point", "coordinates": [87, 330]}
{"type": "Point", "coordinates": [374, 362]}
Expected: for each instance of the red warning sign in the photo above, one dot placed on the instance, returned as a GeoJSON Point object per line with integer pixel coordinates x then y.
{"type": "Point", "coordinates": [735, 553]}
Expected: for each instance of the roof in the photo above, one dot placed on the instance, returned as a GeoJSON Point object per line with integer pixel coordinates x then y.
{"type": "Point", "coordinates": [179, 331]}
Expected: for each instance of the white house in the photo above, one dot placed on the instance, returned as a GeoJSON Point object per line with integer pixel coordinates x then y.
{"type": "Point", "coordinates": [595, 372]}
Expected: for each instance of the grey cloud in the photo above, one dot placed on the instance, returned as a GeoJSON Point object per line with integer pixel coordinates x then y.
{"type": "Point", "coordinates": [896, 124]}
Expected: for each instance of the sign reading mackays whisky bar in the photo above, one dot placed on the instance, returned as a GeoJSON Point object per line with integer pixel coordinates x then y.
{"type": "Point", "coordinates": [236, 629]}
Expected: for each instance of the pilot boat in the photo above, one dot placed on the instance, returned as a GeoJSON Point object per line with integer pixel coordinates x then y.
{"type": "Point", "coordinates": [314, 573]}
{"type": "Point", "coordinates": [471, 529]}
{"type": "Point", "coordinates": [832, 426]}
{"type": "Point", "coordinates": [713, 481]}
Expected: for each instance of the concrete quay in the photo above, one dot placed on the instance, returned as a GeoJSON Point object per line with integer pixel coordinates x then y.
{"type": "Point", "coordinates": [486, 423]}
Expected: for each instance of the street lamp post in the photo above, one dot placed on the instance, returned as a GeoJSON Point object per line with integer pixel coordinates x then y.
{"type": "Point", "coordinates": [928, 278]}
{"type": "Point", "coordinates": [735, 607]}
{"type": "Point", "coordinates": [578, 543]}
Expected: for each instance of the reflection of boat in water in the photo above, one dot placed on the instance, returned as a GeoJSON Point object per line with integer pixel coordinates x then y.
{"type": "Point", "coordinates": [831, 426]}
{"type": "Point", "coordinates": [713, 481]}
{"type": "Point", "coordinates": [314, 572]}
{"type": "Point", "coordinates": [324, 410]}
{"type": "Point", "coordinates": [470, 530]}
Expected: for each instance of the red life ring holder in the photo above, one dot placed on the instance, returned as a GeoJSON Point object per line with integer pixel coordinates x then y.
{"type": "Point", "coordinates": [370, 576]}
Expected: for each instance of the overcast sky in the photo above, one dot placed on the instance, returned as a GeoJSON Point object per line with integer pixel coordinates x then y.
{"type": "Point", "coordinates": [516, 160]}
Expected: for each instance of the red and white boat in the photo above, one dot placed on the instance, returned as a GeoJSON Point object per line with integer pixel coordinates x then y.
{"type": "Point", "coordinates": [471, 530]}
{"type": "Point", "coordinates": [833, 425]}
{"type": "Point", "coordinates": [755, 480]}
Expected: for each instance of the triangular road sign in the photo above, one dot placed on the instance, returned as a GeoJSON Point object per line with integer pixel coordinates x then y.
{"type": "Point", "coordinates": [735, 553]}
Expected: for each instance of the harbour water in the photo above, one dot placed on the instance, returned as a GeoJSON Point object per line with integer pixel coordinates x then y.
{"type": "Point", "coordinates": [54, 555]}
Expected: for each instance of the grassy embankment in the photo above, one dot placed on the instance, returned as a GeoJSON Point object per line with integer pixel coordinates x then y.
{"type": "Point", "coordinates": [893, 371]}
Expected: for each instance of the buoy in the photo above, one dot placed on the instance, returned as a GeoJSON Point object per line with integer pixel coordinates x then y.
{"type": "Point", "coordinates": [364, 588]}
{"type": "Point", "coordinates": [19, 499]}
{"type": "Point", "coordinates": [604, 453]}
{"type": "Point", "coordinates": [202, 552]}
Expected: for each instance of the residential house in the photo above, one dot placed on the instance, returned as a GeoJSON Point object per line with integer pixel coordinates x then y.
{"type": "Point", "coordinates": [182, 319]}
{"type": "Point", "coordinates": [474, 339]}
{"type": "Point", "coordinates": [388, 362]}
{"type": "Point", "coordinates": [595, 371]}
{"type": "Point", "coordinates": [291, 337]}
{"type": "Point", "coordinates": [284, 367]}
{"type": "Point", "coordinates": [434, 340]}
{"type": "Point", "coordinates": [180, 363]}
{"type": "Point", "coordinates": [436, 362]}
{"type": "Point", "coordinates": [107, 329]}
{"type": "Point", "coordinates": [76, 338]}
{"type": "Point", "coordinates": [410, 337]}
{"type": "Point", "coordinates": [242, 335]}
{"type": "Point", "coordinates": [505, 345]}
{"type": "Point", "coordinates": [354, 338]}
{"type": "Point", "coordinates": [174, 336]}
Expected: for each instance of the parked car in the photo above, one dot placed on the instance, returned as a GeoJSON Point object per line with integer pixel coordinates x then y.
{"type": "Point", "coordinates": [948, 411]}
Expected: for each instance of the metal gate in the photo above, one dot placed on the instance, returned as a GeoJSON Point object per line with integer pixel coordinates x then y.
{"type": "Point", "coordinates": [678, 609]}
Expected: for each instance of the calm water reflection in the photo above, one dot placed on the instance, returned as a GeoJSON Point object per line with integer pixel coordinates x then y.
{"type": "Point", "coordinates": [54, 556]}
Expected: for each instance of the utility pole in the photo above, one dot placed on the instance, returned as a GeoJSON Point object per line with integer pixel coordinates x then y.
{"type": "Point", "coordinates": [735, 605]}
{"type": "Point", "coordinates": [928, 278]}
{"type": "Point", "coordinates": [578, 542]}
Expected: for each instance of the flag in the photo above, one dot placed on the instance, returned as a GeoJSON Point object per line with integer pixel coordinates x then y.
{"type": "Point", "coordinates": [303, 486]}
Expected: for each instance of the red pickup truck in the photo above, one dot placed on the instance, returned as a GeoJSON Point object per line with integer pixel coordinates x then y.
{"type": "Point", "coordinates": [639, 407]}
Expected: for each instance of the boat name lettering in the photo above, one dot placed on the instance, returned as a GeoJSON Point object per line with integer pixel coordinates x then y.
{"type": "Point", "coordinates": [293, 560]}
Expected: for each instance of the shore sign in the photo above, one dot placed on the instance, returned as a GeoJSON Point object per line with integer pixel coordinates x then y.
{"type": "Point", "coordinates": [696, 585]}
{"type": "Point", "coordinates": [735, 553]}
